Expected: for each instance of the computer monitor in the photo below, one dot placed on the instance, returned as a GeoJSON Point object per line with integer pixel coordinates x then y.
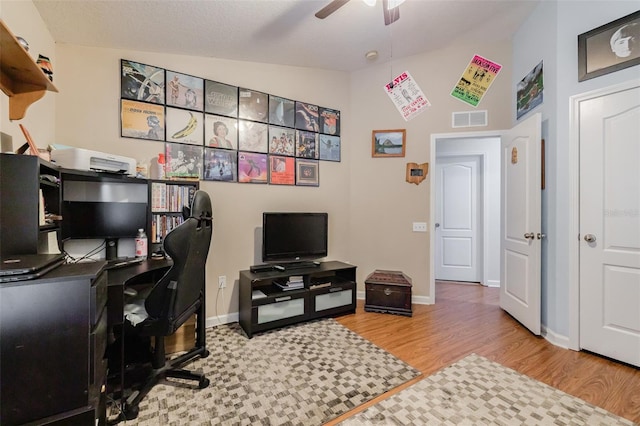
{"type": "Point", "coordinates": [103, 210]}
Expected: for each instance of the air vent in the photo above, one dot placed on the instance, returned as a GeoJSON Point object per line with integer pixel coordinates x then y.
{"type": "Point", "coordinates": [469, 119]}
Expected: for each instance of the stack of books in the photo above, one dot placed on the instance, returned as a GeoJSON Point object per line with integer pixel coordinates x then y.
{"type": "Point", "coordinates": [294, 282]}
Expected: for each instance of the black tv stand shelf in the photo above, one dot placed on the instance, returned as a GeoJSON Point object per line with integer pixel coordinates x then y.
{"type": "Point", "coordinates": [329, 290]}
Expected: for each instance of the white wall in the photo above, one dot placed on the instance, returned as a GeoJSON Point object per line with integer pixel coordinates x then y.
{"type": "Point", "coordinates": [551, 34]}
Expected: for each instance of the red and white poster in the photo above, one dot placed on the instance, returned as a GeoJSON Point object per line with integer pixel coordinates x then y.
{"type": "Point", "coordinates": [407, 96]}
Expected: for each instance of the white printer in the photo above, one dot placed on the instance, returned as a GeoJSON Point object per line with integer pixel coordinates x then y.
{"type": "Point", "coordinates": [85, 159]}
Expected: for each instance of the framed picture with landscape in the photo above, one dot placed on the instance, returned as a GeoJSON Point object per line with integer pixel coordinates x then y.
{"type": "Point", "coordinates": [388, 143]}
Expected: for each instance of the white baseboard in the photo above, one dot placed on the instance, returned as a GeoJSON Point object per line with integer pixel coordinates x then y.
{"type": "Point", "coordinates": [493, 283]}
{"type": "Point", "coordinates": [222, 319]}
{"type": "Point", "coordinates": [554, 338]}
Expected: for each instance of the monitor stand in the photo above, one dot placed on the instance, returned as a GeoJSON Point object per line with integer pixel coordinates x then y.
{"type": "Point", "coordinates": [111, 248]}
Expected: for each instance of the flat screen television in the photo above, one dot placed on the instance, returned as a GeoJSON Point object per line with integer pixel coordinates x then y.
{"type": "Point", "coordinates": [293, 237]}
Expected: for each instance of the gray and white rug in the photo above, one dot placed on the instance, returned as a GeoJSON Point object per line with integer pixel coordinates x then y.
{"type": "Point", "coordinates": [476, 391]}
{"type": "Point", "coordinates": [305, 374]}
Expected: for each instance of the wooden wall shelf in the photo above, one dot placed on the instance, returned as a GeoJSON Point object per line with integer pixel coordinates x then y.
{"type": "Point", "coordinates": [20, 77]}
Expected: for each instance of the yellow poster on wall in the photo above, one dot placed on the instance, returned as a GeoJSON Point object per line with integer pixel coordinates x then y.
{"type": "Point", "coordinates": [475, 81]}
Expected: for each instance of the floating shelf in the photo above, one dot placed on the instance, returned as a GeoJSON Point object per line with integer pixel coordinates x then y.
{"type": "Point", "coordinates": [20, 77]}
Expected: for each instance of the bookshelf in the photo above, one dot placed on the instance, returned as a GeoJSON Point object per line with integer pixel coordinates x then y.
{"type": "Point", "coordinates": [167, 198]}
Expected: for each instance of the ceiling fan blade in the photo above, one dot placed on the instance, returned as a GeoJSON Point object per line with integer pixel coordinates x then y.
{"type": "Point", "coordinates": [390, 15]}
{"type": "Point", "coordinates": [330, 8]}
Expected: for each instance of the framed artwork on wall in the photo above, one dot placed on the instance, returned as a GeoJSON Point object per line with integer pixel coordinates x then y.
{"type": "Point", "coordinates": [329, 147]}
{"type": "Point", "coordinates": [307, 117]}
{"type": "Point", "coordinates": [306, 144]}
{"type": "Point", "coordinates": [252, 136]}
{"type": "Point", "coordinates": [282, 170]}
{"type": "Point", "coordinates": [281, 141]}
{"type": "Point", "coordinates": [184, 91]}
{"type": "Point", "coordinates": [609, 48]}
{"type": "Point", "coordinates": [220, 132]}
{"type": "Point", "coordinates": [220, 98]}
{"type": "Point", "coordinates": [307, 172]}
{"type": "Point", "coordinates": [220, 165]}
{"type": "Point", "coordinates": [281, 111]}
{"type": "Point", "coordinates": [184, 126]}
{"type": "Point", "coordinates": [141, 82]}
{"type": "Point", "coordinates": [253, 105]}
{"type": "Point", "coordinates": [329, 121]}
{"type": "Point", "coordinates": [141, 120]}
{"type": "Point", "coordinates": [183, 161]}
{"type": "Point", "coordinates": [388, 143]}
{"type": "Point", "coordinates": [252, 167]}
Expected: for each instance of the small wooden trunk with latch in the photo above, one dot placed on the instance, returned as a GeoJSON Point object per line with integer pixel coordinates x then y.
{"type": "Point", "coordinates": [388, 292]}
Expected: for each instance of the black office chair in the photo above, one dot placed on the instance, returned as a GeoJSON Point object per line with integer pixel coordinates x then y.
{"type": "Point", "coordinates": [178, 295]}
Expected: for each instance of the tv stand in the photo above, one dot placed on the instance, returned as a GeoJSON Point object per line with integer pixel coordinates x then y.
{"type": "Point", "coordinates": [329, 290]}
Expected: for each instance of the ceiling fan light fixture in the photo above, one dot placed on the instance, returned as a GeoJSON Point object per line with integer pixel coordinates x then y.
{"type": "Point", "coordinates": [369, 3]}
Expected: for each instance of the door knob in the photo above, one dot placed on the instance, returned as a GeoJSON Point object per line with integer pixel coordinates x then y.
{"type": "Point", "coordinates": [590, 238]}
{"type": "Point", "coordinates": [540, 236]}
{"type": "Point", "coordinates": [437, 225]}
{"type": "Point", "coordinates": [529, 235]}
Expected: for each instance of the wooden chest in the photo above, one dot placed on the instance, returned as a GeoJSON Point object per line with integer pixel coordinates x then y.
{"type": "Point", "coordinates": [389, 292]}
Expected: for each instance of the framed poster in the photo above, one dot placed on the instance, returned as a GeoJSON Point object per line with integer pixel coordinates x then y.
{"type": "Point", "coordinates": [220, 98]}
{"type": "Point", "coordinates": [281, 141]}
{"type": "Point", "coordinates": [329, 147]}
{"type": "Point", "coordinates": [388, 143]}
{"type": "Point", "coordinates": [252, 167]}
{"type": "Point", "coordinates": [610, 47]}
{"type": "Point", "coordinates": [141, 120]}
{"type": "Point", "coordinates": [184, 126]}
{"type": "Point", "coordinates": [253, 105]}
{"type": "Point", "coordinates": [281, 111]}
{"type": "Point", "coordinates": [184, 91]}
{"type": "Point", "coordinates": [220, 165]}
{"type": "Point", "coordinates": [329, 121]}
{"type": "Point", "coordinates": [306, 144]}
{"type": "Point", "coordinates": [307, 117]}
{"type": "Point", "coordinates": [252, 136]}
{"type": "Point", "coordinates": [529, 91]}
{"type": "Point", "coordinates": [183, 161]}
{"type": "Point", "coordinates": [282, 170]}
{"type": "Point", "coordinates": [141, 82]}
{"type": "Point", "coordinates": [307, 172]}
{"type": "Point", "coordinates": [220, 132]}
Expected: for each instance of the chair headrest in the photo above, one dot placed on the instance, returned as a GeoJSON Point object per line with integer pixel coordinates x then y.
{"type": "Point", "coordinates": [201, 206]}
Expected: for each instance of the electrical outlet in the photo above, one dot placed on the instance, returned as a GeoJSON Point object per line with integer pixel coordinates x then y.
{"type": "Point", "coordinates": [419, 226]}
{"type": "Point", "coordinates": [222, 281]}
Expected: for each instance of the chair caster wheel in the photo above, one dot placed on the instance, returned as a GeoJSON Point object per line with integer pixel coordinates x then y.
{"type": "Point", "coordinates": [204, 382]}
{"type": "Point", "coordinates": [205, 354]}
{"type": "Point", "coordinates": [131, 412]}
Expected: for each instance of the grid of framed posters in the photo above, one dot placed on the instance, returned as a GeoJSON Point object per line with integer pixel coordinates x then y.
{"type": "Point", "coordinates": [217, 132]}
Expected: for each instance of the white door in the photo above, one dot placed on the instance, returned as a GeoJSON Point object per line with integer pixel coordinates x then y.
{"type": "Point", "coordinates": [520, 231]}
{"type": "Point", "coordinates": [610, 224]}
{"type": "Point", "coordinates": [457, 236]}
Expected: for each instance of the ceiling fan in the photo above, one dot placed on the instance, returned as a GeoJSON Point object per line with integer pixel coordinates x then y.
{"type": "Point", "coordinates": [390, 8]}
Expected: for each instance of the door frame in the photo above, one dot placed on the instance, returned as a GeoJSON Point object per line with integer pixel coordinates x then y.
{"type": "Point", "coordinates": [432, 202]}
{"type": "Point", "coordinates": [573, 230]}
{"type": "Point", "coordinates": [481, 210]}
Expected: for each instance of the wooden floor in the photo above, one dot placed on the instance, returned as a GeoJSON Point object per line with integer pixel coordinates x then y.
{"type": "Point", "coordinates": [467, 319]}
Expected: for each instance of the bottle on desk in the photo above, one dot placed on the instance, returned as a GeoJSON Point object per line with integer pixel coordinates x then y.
{"type": "Point", "coordinates": [141, 244]}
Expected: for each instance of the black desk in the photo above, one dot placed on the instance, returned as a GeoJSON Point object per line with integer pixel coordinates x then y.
{"type": "Point", "coordinates": [53, 340]}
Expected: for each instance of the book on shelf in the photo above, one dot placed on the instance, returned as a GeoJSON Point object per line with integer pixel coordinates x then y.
{"type": "Point", "coordinates": [316, 285]}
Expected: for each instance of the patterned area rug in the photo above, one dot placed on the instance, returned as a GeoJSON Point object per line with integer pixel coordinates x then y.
{"type": "Point", "coordinates": [305, 374]}
{"type": "Point", "coordinates": [476, 391]}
